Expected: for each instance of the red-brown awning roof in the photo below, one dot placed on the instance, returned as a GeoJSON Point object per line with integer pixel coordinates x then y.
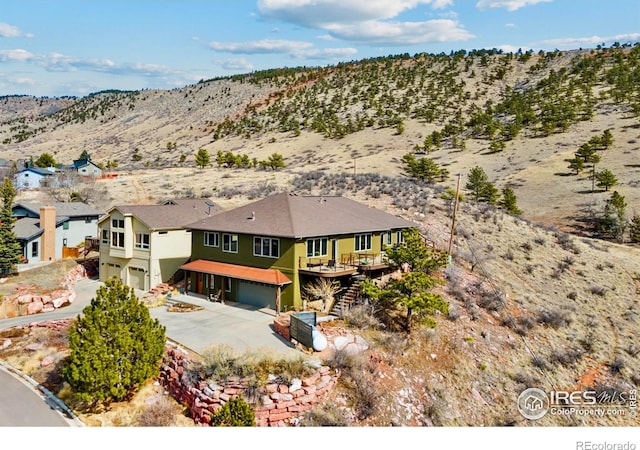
{"type": "Point", "coordinates": [267, 276]}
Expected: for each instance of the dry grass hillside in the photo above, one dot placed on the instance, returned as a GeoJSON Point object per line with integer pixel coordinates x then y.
{"type": "Point", "coordinates": [361, 117]}
{"type": "Point", "coordinates": [531, 305]}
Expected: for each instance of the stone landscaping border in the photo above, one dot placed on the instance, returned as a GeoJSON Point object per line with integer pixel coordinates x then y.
{"type": "Point", "coordinates": [279, 405]}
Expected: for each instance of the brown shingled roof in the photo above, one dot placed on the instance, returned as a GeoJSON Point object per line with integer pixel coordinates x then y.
{"type": "Point", "coordinates": [173, 214]}
{"type": "Point", "coordinates": [290, 215]}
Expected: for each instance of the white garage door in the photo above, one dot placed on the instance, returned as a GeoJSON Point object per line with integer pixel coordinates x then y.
{"type": "Point", "coordinates": [113, 270]}
{"type": "Point", "coordinates": [259, 295]}
{"type": "Point", "coordinates": [136, 277]}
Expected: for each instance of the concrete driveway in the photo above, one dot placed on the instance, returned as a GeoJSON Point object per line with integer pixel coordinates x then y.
{"type": "Point", "coordinates": [238, 326]}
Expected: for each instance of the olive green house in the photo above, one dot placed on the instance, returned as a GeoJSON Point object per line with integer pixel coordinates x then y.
{"type": "Point", "coordinates": [264, 253]}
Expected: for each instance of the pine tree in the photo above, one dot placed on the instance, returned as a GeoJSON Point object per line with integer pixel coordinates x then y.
{"type": "Point", "coordinates": [489, 193]}
{"type": "Point", "coordinates": [614, 217]}
{"type": "Point", "coordinates": [45, 160]}
{"type": "Point", "coordinates": [509, 201]}
{"type": "Point", "coordinates": [202, 158]}
{"type": "Point", "coordinates": [423, 169]}
{"type": "Point", "coordinates": [634, 229]}
{"type": "Point", "coordinates": [85, 156]}
{"type": "Point", "coordinates": [606, 179]}
{"type": "Point", "coordinates": [10, 248]}
{"type": "Point", "coordinates": [275, 161]}
{"type": "Point", "coordinates": [476, 182]}
{"type": "Point", "coordinates": [576, 164]}
{"type": "Point", "coordinates": [234, 413]}
{"type": "Point", "coordinates": [115, 346]}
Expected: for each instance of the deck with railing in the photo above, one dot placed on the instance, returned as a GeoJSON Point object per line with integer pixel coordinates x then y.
{"type": "Point", "coordinates": [349, 263]}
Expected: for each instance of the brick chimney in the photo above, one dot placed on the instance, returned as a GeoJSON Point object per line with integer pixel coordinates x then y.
{"type": "Point", "coordinates": [48, 239]}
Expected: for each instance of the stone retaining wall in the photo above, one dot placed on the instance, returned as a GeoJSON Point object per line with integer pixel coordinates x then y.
{"type": "Point", "coordinates": [277, 405]}
{"type": "Point", "coordinates": [29, 302]}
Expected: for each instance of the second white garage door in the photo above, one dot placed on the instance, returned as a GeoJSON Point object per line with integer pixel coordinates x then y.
{"type": "Point", "coordinates": [136, 277]}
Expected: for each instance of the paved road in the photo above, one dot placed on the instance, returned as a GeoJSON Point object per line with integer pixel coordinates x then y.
{"type": "Point", "coordinates": [234, 325]}
{"type": "Point", "coordinates": [22, 406]}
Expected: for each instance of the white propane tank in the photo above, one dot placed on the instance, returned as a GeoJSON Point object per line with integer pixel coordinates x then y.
{"type": "Point", "coordinates": [319, 341]}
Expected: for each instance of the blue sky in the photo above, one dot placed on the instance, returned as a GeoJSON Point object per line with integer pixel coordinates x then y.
{"type": "Point", "coordinates": [65, 47]}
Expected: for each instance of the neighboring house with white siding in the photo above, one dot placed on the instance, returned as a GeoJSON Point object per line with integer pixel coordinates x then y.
{"type": "Point", "coordinates": [62, 224]}
{"type": "Point", "coordinates": [32, 178]}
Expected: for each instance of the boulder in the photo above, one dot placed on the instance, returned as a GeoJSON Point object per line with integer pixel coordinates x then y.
{"type": "Point", "coordinates": [34, 308]}
{"type": "Point", "coordinates": [25, 298]}
{"type": "Point", "coordinates": [296, 384]}
{"type": "Point", "coordinates": [60, 301]}
{"type": "Point", "coordinates": [47, 361]}
{"type": "Point", "coordinates": [35, 346]}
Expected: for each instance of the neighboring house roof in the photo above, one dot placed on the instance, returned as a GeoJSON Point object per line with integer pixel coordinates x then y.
{"type": "Point", "coordinates": [290, 215]}
{"type": "Point", "coordinates": [36, 170]}
{"type": "Point", "coordinates": [63, 209]}
{"type": "Point", "coordinates": [174, 214]}
{"type": "Point", "coordinates": [267, 276]}
{"type": "Point", "coordinates": [27, 228]}
{"type": "Point", "coordinates": [78, 163]}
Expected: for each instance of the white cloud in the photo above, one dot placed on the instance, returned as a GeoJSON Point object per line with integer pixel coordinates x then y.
{"type": "Point", "coordinates": [572, 43]}
{"type": "Point", "coordinates": [9, 31]}
{"type": "Point", "coordinates": [401, 33]}
{"type": "Point", "coordinates": [325, 37]}
{"type": "Point", "coordinates": [295, 49]}
{"type": "Point", "coordinates": [509, 5]}
{"type": "Point", "coordinates": [23, 81]}
{"type": "Point", "coordinates": [510, 25]}
{"type": "Point", "coordinates": [57, 62]}
{"type": "Point", "coordinates": [234, 64]}
{"type": "Point", "coordinates": [448, 15]}
{"type": "Point", "coordinates": [17, 55]}
{"type": "Point", "coordinates": [317, 13]}
{"type": "Point", "coordinates": [508, 48]}
{"type": "Point", "coordinates": [327, 53]}
{"type": "Point", "coordinates": [367, 21]}
{"type": "Point", "coordinates": [262, 46]}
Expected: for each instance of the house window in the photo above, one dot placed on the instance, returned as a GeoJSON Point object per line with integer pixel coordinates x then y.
{"type": "Point", "coordinates": [87, 220]}
{"type": "Point", "coordinates": [230, 243]}
{"type": "Point", "coordinates": [211, 239]}
{"type": "Point", "coordinates": [65, 225]}
{"type": "Point", "coordinates": [386, 238]}
{"type": "Point", "coordinates": [363, 242]}
{"type": "Point", "coordinates": [227, 284]}
{"type": "Point", "coordinates": [105, 236]}
{"type": "Point", "coordinates": [317, 247]}
{"type": "Point", "coordinates": [264, 246]}
{"type": "Point", "coordinates": [117, 223]}
{"type": "Point", "coordinates": [399, 237]}
{"type": "Point", "coordinates": [34, 249]}
{"type": "Point", "coordinates": [142, 240]}
{"type": "Point", "coordinates": [117, 239]}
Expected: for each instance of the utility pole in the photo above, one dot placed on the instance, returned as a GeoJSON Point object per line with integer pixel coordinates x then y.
{"type": "Point", "coordinates": [453, 221]}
